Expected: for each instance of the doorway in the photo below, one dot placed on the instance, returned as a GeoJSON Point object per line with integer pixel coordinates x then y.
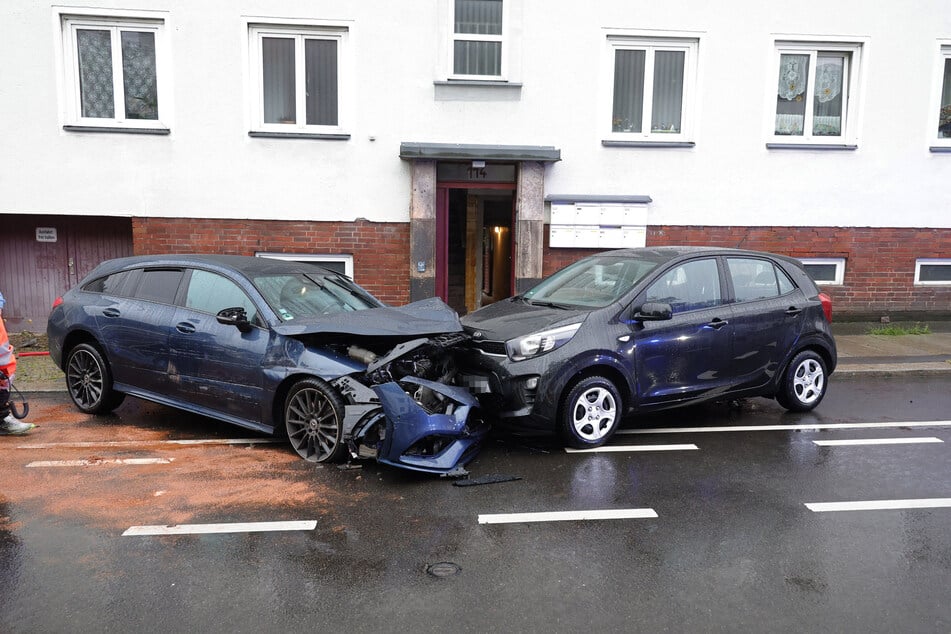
{"type": "Point", "coordinates": [474, 241]}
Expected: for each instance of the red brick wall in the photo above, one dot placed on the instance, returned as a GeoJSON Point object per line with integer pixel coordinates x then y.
{"type": "Point", "coordinates": [879, 267]}
{"type": "Point", "coordinates": [380, 250]}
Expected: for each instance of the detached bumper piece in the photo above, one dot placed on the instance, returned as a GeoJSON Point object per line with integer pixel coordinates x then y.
{"type": "Point", "coordinates": [438, 438]}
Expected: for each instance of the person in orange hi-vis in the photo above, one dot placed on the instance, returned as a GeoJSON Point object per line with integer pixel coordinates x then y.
{"type": "Point", "coordinates": [8, 365]}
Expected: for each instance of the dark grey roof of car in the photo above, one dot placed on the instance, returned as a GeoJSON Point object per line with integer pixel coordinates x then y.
{"type": "Point", "coordinates": [248, 265]}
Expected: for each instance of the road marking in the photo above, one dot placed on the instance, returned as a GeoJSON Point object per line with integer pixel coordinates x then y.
{"type": "Point", "coordinates": [623, 448]}
{"type": "Point", "coordinates": [812, 427]}
{"type": "Point", "coordinates": [139, 443]}
{"type": "Point", "coordinates": [566, 516]}
{"type": "Point", "coordinates": [879, 505]}
{"type": "Point", "coordinates": [207, 529]}
{"type": "Point", "coordinates": [98, 461]}
{"type": "Point", "coordinates": [876, 441]}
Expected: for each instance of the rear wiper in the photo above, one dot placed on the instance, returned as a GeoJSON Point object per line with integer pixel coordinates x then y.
{"type": "Point", "coordinates": [546, 304]}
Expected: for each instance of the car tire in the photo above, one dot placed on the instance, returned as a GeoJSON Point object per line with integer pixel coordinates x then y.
{"type": "Point", "coordinates": [89, 380]}
{"type": "Point", "coordinates": [590, 413]}
{"type": "Point", "coordinates": [803, 384]}
{"type": "Point", "coordinates": [313, 418]}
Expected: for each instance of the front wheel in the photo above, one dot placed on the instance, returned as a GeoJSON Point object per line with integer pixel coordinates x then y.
{"type": "Point", "coordinates": [804, 383]}
{"type": "Point", "coordinates": [591, 413]}
{"type": "Point", "coordinates": [313, 416]}
{"type": "Point", "coordinates": [89, 380]}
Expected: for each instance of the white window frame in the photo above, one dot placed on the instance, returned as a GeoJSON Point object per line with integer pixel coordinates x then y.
{"type": "Point", "coordinates": [931, 261]}
{"type": "Point", "coordinates": [316, 258]}
{"type": "Point", "coordinates": [476, 37]}
{"type": "Point", "coordinates": [944, 54]}
{"type": "Point", "coordinates": [70, 20]}
{"type": "Point", "coordinates": [839, 263]}
{"type": "Point", "coordinates": [300, 31]}
{"type": "Point", "coordinates": [651, 42]}
{"type": "Point", "coordinates": [853, 49]}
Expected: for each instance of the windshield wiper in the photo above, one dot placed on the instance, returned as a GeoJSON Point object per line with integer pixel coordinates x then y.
{"type": "Point", "coordinates": [546, 304]}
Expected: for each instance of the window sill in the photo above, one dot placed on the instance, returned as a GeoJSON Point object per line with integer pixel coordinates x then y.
{"type": "Point", "coordinates": [298, 135]}
{"type": "Point", "coordinates": [96, 128]}
{"type": "Point", "coordinates": [822, 147]}
{"type": "Point", "coordinates": [651, 144]}
{"type": "Point", "coordinates": [940, 149]}
{"type": "Point", "coordinates": [476, 90]}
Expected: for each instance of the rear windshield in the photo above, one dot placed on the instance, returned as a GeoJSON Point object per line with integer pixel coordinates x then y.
{"type": "Point", "coordinates": [296, 295]}
{"type": "Point", "coordinates": [593, 282]}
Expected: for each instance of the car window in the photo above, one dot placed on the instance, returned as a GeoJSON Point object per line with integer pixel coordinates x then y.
{"type": "Point", "coordinates": [211, 293]}
{"type": "Point", "coordinates": [296, 295]}
{"type": "Point", "coordinates": [755, 279]}
{"type": "Point", "coordinates": [592, 282]}
{"type": "Point", "coordinates": [109, 285]}
{"type": "Point", "coordinates": [159, 285]}
{"type": "Point", "coordinates": [689, 286]}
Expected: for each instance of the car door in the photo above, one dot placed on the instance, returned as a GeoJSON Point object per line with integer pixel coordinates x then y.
{"type": "Point", "coordinates": [135, 328]}
{"type": "Point", "coordinates": [767, 318]}
{"type": "Point", "coordinates": [687, 356]}
{"type": "Point", "coordinates": [217, 367]}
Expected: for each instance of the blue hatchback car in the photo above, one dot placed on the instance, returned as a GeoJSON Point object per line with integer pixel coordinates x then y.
{"type": "Point", "coordinates": [273, 346]}
{"type": "Point", "coordinates": [639, 330]}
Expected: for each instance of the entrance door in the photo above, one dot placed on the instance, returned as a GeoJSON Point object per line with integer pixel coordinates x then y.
{"type": "Point", "coordinates": [475, 210]}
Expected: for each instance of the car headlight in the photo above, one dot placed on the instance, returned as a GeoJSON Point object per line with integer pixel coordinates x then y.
{"type": "Point", "coordinates": [537, 343]}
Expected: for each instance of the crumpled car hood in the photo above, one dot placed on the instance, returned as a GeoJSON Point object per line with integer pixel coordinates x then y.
{"type": "Point", "coordinates": [426, 317]}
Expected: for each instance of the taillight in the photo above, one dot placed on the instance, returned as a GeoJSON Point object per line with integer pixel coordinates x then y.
{"type": "Point", "coordinates": [57, 302]}
{"type": "Point", "coordinates": [826, 306]}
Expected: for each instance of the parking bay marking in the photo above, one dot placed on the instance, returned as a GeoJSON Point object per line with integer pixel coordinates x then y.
{"type": "Point", "coordinates": [625, 448]}
{"type": "Point", "coordinates": [566, 516]}
{"type": "Point", "coordinates": [806, 427]}
{"type": "Point", "coordinates": [139, 443]}
{"type": "Point", "coordinates": [208, 529]}
{"type": "Point", "coordinates": [98, 461]}
{"type": "Point", "coordinates": [876, 441]}
{"type": "Point", "coordinates": [879, 505]}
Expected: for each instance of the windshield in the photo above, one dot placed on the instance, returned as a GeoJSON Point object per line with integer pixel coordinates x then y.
{"type": "Point", "coordinates": [592, 282]}
{"type": "Point", "coordinates": [296, 295]}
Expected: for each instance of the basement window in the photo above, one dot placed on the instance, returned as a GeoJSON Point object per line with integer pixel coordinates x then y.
{"type": "Point", "coordinates": [339, 263]}
{"type": "Point", "coordinates": [933, 272]}
{"type": "Point", "coordinates": [825, 270]}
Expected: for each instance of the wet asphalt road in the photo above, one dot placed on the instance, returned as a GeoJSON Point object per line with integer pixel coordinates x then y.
{"type": "Point", "coordinates": [732, 547]}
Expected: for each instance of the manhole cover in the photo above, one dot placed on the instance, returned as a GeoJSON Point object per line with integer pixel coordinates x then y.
{"type": "Point", "coordinates": [443, 569]}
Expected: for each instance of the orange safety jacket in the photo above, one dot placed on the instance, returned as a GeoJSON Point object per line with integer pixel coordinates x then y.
{"type": "Point", "coordinates": [8, 362]}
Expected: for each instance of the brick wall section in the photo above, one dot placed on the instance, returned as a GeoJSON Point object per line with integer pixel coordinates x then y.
{"type": "Point", "coordinates": [879, 268]}
{"type": "Point", "coordinates": [380, 250]}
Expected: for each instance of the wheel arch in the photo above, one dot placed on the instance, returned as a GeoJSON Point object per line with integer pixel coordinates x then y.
{"type": "Point", "coordinates": [607, 371]}
{"type": "Point", "coordinates": [75, 338]}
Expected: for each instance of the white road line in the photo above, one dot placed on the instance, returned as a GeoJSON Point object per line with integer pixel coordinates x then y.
{"type": "Point", "coordinates": [879, 505]}
{"type": "Point", "coordinates": [139, 443]}
{"type": "Point", "coordinates": [567, 516]}
{"type": "Point", "coordinates": [876, 441]}
{"type": "Point", "coordinates": [624, 448]}
{"type": "Point", "coordinates": [207, 529]}
{"type": "Point", "coordinates": [812, 427]}
{"type": "Point", "coordinates": [98, 461]}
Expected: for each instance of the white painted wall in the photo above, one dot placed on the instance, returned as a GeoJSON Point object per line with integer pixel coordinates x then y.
{"type": "Point", "coordinates": [209, 166]}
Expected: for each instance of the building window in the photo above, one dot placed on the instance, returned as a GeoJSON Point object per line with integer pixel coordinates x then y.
{"type": "Point", "coordinates": [113, 72]}
{"type": "Point", "coordinates": [825, 270]}
{"type": "Point", "coordinates": [478, 39]}
{"type": "Point", "coordinates": [933, 272]}
{"type": "Point", "coordinates": [944, 105]}
{"type": "Point", "coordinates": [815, 93]}
{"type": "Point", "coordinates": [339, 263]}
{"type": "Point", "coordinates": [298, 78]}
{"type": "Point", "coordinates": [651, 97]}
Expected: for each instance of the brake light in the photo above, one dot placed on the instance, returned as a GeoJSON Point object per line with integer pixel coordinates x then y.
{"type": "Point", "coordinates": [57, 302]}
{"type": "Point", "coordinates": [826, 306]}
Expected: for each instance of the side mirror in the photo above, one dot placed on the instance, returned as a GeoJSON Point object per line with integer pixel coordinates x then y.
{"type": "Point", "coordinates": [653, 311]}
{"type": "Point", "coordinates": [234, 317]}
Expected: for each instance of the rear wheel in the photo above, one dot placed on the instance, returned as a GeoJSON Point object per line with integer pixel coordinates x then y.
{"type": "Point", "coordinates": [313, 416]}
{"type": "Point", "coordinates": [591, 412]}
{"type": "Point", "coordinates": [804, 383]}
{"type": "Point", "coordinates": [89, 380]}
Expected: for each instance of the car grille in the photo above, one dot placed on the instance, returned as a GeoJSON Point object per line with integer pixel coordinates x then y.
{"type": "Point", "coordinates": [491, 347]}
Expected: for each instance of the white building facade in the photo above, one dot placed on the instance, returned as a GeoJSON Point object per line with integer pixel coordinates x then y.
{"type": "Point", "coordinates": [467, 148]}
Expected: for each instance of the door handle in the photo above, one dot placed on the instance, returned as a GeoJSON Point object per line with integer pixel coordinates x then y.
{"type": "Point", "coordinates": [185, 328]}
{"type": "Point", "coordinates": [793, 310]}
{"type": "Point", "coordinates": [111, 312]}
{"type": "Point", "coordinates": [717, 323]}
